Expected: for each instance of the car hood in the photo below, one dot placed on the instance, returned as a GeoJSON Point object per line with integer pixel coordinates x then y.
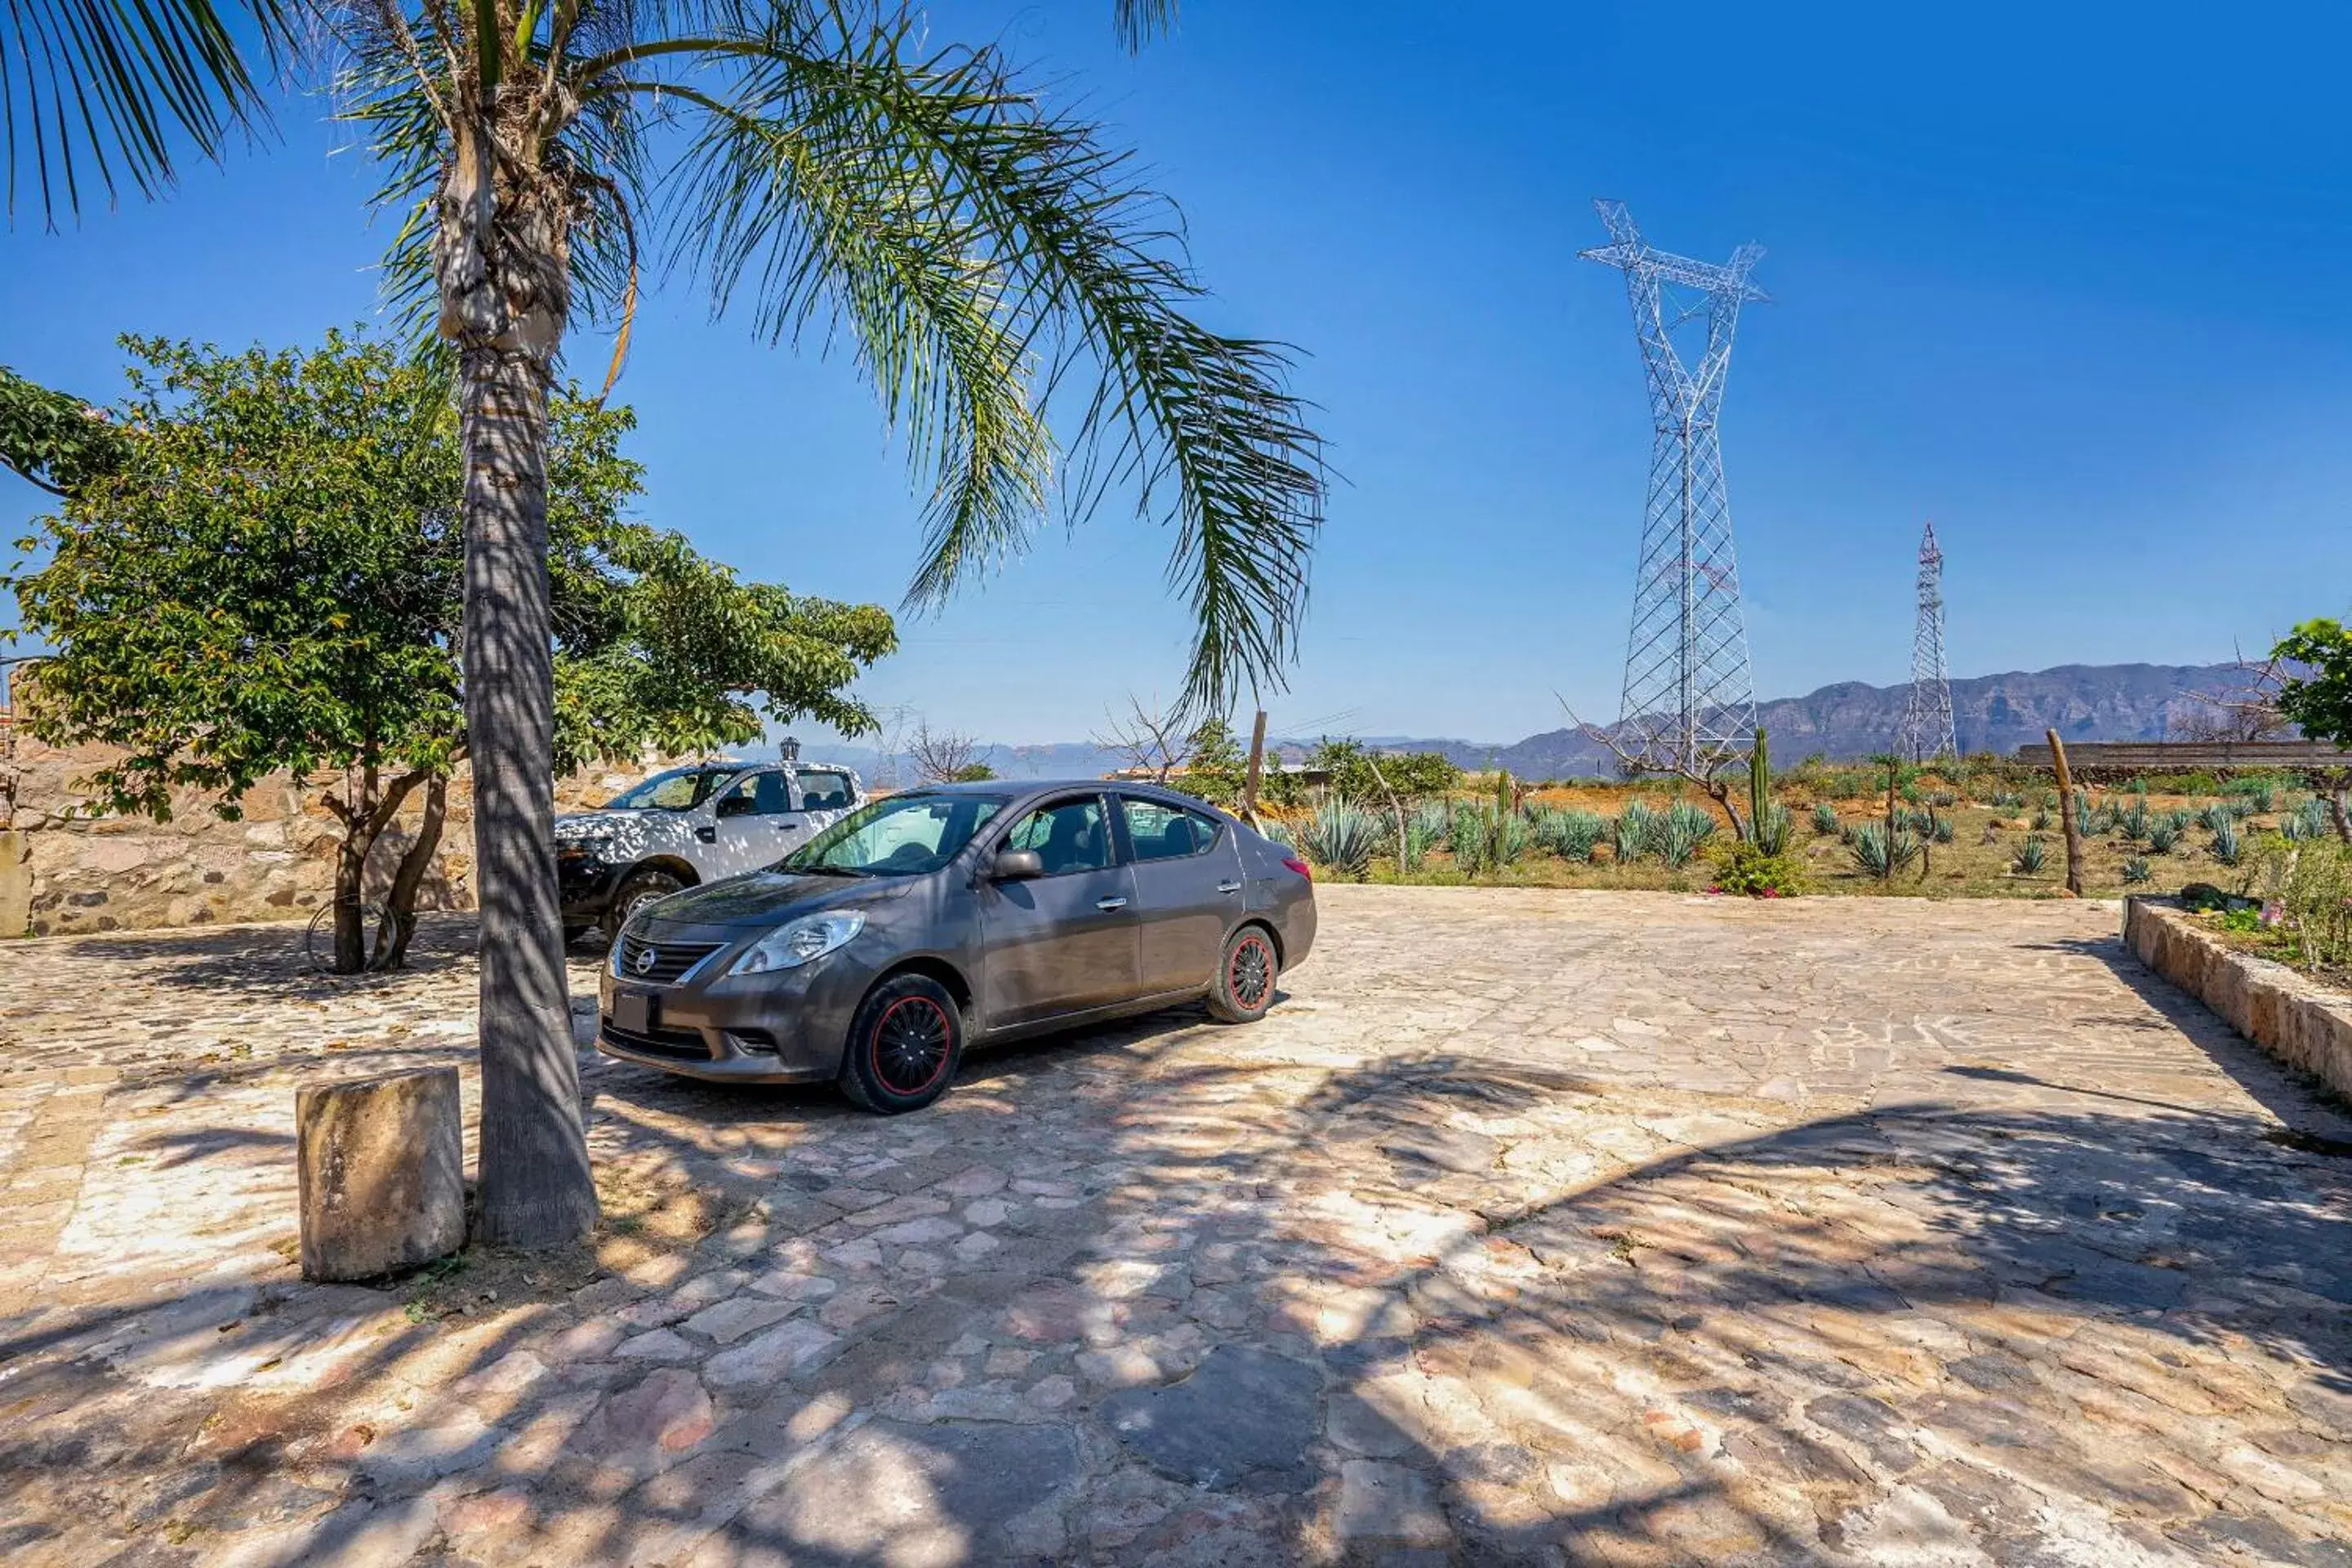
{"type": "Point", "coordinates": [762, 899]}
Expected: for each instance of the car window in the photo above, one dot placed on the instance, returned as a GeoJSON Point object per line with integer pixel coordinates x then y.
{"type": "Point", "coordinates": [824, 790]}
{"type": "Point", "coordinates": [1160, 832]}
{"type": "Point", "coordinates": [1067, 838]}
{"type": "Point", "coordinates": [774, 799]}
{"type": "Point", "coordinates": [903, 835]}
{"type": "Point", "coordinates": [680, 789]}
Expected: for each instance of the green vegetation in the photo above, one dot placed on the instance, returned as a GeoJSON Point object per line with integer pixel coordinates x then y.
{"type": "Point", "coordinates": [1877, 853]}
{"type": "Point", "coordinates": [1341, 836]}
{"type": "Point", "coordinates": [2031, 855]}
{"type": "Point", "coordinates": [2136, 870]}
{"type": "Point", "coordinates": [1826, 819]}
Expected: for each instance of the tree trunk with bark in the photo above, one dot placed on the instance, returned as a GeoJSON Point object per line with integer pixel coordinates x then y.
{"type": "Point", "coordinates": [500, 262]}
{"type": "Point", "coordinates": [392, 938]}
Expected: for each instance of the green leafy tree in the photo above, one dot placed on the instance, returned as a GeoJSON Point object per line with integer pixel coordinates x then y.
{"type": "Point", "coordinates": [2318, 700]}
{"type": "Point", "coordinates": [988, 259]}
{"type": "Point", "coordinates": [1216, 767]}
{"type": "Point", "coordinates": [1408, 774]}
{"type": "Point", "coordinates": [269, 578]}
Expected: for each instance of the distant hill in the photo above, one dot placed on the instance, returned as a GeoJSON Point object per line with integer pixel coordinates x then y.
{"type": "Point", "coordinates": [1990, 712]}
{"type": "Point", "coordinates": [1849, 719]}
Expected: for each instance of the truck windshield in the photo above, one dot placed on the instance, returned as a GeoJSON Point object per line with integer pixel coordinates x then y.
{"type": "Point", "coordinates": [899, 836]}
{"type": "Point", "coordinates": [680, 789]}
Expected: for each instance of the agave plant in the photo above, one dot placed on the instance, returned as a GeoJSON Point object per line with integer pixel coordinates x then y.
{"type": "Point", "coordinates": [2040, 819]}
{"type": "Point", "coordinates": [2031, 855]}
{"type": "Point", "coordinates": [1637, 831]}
{"type": "Point", "coordinates": [2135, 870]}
{"type": "Point", "coordinates": [1572, 833]}
{"type": "Point", "coordinates": [1511, 836]}
{"type": "Point", "coordinates": [2263, 798]}
{"type": "Point", "coordinates": [1773, 828]}
{"type": "Point", "coordinates": [2315, 816]}
{"type": "Point", "coordinates": [1467, 836]}
{"type": "Point", "coordinates": [1940, 830]}
{"type": "Point", "coordinates": [1825, 820]}
{"type": "Point", "coordinates": [2162, 834]}
{"type": "Point", "coordinates": [1691, 821]}
{"type": "Point", "coordinates": [2228, 846]}
{"type": "Point", "coordinates": [1340, 837]}
{"type": "Point", "coordinates": [1877, 854]}
{"type": "Point", "coordinates": [2215, 817]}
{"type": "Point", "coordinates": [2133, 822]}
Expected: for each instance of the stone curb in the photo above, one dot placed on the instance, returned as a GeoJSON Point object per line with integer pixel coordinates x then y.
{"type": "Point", "coordinates": [2303, 1025]}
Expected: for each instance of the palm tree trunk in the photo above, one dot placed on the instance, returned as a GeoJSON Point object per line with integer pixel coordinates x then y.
{"type": "Point", "coordinates": [535, 1185]}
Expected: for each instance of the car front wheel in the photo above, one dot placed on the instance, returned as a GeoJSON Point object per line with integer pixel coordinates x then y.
{"type": "Point", "coordinates": [1243, 987]}
{"type": "Point", "coordinates": [905, 1045]}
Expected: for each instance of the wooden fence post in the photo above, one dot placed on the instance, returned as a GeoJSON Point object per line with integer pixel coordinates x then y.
{"type": "Point", "coordinates": [1256, 768]}
{"type": "Point", "coordinates": [2066, 817]}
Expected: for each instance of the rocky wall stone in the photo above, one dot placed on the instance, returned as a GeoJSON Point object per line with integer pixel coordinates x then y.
{"type": "Point", "coordinates": [66, 866]}
{"type": "Point", "coordinates": [2303, 1024]}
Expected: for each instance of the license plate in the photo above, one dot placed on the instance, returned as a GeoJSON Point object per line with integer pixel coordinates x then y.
{"type": "Point", "coordinates": [634, 1011]}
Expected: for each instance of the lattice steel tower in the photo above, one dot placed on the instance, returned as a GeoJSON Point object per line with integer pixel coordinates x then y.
{"type": "Point", "coordinates": [1687, 701]}
{"type": "Point", "coordinates": [1927, 729]}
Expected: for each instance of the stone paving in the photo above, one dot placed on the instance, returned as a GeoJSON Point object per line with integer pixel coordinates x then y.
{"type": "Point", "coordinates": [1531, 1227]}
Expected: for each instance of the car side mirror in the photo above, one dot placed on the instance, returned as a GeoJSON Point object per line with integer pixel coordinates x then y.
{"type": "Point", "coordinates": [1016, 865]}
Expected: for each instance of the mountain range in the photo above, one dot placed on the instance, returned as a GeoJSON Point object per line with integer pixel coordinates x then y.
{"type": "Point", "coordinates": [1849, 719]}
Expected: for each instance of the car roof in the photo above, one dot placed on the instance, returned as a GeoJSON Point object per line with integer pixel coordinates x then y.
{"type": "Point", "coordinates": [1022, 789]}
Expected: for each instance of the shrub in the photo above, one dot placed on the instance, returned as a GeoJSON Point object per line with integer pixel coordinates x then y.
{"type": "Point", "coordinates": [2135, 870]}
{"type": "Point", "coordinates": [2228, 846]}
{"type": "Point", "coordinates": [2031, 855]}
{"type": "Point", "coordinates": [2313, 884]}
{"type": "Point", "coordinates": [2162, 834]}
{"type": "Point", "coordinates": [1878, 856]}
{"type": "Point", "coordinates": [1747, 870]}
{"type": "Point", "coordinates": [1340, 837]}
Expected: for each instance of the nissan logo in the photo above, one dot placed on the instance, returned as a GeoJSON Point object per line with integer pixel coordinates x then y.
{"type": "Point", "coordinates": [646, 960]}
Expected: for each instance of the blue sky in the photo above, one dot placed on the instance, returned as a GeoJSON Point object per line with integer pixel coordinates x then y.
{"type": "Point", "coordinates": [2071, 281]}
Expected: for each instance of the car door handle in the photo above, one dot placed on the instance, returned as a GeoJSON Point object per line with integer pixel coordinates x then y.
{"type": "Point", "coordinates": [708, 835]}
{"type": "Point", "coordinates": [1229, 886]}
{"type": "Point", "coordinates": [1111, 903]}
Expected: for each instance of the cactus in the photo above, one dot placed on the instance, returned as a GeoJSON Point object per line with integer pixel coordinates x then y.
{"type": "Point", "coordinates": [2031, 855]}
{"type": "Point", "coordinates": [1759, 782]}
{"type": "Point", "coordinates": [1511, 836]}
{"type": "Point", "coordinates": [1825, 820]}
{"type": "Point", "coordinates": [1506, 800]}
{"type": "Point", "coordinates": [2135, 870]}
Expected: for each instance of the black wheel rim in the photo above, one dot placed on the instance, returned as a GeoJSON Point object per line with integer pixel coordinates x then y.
{"type": "Point", "coordinates": [1250, 976]}
{"type": "Point", "coordinates": [910, 1045]}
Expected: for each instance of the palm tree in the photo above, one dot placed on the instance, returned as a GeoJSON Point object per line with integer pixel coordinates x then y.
{"type": "Point", "coordinates": [991, 262]}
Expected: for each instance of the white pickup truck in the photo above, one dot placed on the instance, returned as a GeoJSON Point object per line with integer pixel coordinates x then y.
{"type": "Point", "coordinates": [689, 826]}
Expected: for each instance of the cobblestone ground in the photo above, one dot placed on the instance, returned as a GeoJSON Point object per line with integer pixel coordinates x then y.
{"type": "Point", "coordinates": [1546, 1227]}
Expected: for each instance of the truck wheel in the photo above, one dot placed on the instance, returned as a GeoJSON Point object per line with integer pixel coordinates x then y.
{"type": "Point", "coordinates": [636, 891]}
{"type": "Point", "coordinates": [905, 1045]}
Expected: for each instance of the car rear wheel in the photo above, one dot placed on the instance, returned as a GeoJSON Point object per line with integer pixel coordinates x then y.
{"type": "Point", "coordinates": [636, 891]}
{"type": "Point", "coordinates": [905, 1045]}
{"type": "Point", "coordinates": [1243, 988]}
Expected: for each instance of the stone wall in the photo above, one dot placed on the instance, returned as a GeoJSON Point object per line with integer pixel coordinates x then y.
{"type": "Point", "coordinates": [67, 867]}
{"type": "Point", "coordinates": [2303, 1024]}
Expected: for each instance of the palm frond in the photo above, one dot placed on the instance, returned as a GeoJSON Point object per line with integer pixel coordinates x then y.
{"type": "Point", "coordinates": [1139, 22]}
{"type": "Point", "coordinates": [96, 95]}
{"type": "Point", "coordinates": [975, 245]}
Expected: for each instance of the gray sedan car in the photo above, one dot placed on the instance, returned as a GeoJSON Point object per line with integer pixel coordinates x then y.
{"type": "Point", "coordinates": [953, 916]}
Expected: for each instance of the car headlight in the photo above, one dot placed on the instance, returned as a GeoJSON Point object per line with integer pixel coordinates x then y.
{"type": "Point", "coordinates": [795, 942]}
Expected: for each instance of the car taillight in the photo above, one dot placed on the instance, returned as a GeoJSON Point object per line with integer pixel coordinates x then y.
{"type": "Point", "coordinates": [1296, 863]}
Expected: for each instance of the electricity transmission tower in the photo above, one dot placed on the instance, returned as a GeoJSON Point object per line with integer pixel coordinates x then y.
{"type": "Point", "coordinates": [1689, 704]}
{"type": "Point", "coordinates": [1926, 730]}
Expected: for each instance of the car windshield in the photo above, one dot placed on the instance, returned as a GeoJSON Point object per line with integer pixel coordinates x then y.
{"type": "Point", "coordinates": [900, 835]}
{"type": "Point", "coordinates": [680, 789]}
